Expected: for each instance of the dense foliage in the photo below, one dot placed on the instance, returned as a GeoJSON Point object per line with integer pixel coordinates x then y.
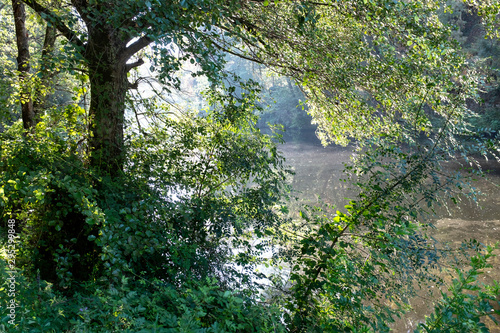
{"type": "Point", "coordinates": [172, 221]}
{"type": "Point", "coordinates": [122, 212]}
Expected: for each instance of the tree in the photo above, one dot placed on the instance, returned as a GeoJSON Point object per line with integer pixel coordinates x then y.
{"type": "Point", "coordinates": [297, 46]}
{"type": "Point", "coordinates": [38, 66]}
{"type": "Point", "coordinates": [109, 38]}
{"type": "Point", "coordinates": [23, 63]}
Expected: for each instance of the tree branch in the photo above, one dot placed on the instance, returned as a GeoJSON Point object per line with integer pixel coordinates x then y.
{"type": "Point", "coordinates": [134, 48]}
{"type": "Point", "coordinates": [134, 85]}
{"type": "Point", "coordinates": [132, 65]}
{"type": "Point", "coordinates": [52, 18]}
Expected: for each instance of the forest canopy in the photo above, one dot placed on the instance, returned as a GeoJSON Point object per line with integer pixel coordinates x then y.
{"type": "Point", "coordinates": [126, 209]}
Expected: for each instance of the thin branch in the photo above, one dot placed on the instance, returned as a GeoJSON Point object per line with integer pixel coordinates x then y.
{"type": "Point", "coordinates": [132, 65]}
{"type": "Point", "coordinates": [52, 18]}
{"type": "Point", "coordinates": [134, 85]}
{"type": "Point", "coordinates": [138, 121]}
{"type": "Point", "coordinates": [385, 192]}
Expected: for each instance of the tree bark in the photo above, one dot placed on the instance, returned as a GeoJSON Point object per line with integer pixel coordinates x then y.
{"type": "Point", "coordinates": [109, 85]}
{"type": "Point", "coordinates": [23, 65]}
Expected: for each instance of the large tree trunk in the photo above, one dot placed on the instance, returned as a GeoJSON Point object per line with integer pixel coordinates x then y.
{"type": "Point", "coordinates": [109, 85]}
{"type": "Point", "coordinates": [23, 65]}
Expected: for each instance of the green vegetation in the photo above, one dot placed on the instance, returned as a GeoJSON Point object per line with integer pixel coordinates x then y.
{"type": "Point", "coordinates": [135, 213]}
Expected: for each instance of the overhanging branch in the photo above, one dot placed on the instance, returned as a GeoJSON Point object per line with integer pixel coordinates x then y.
{"type": "Point", "coordinates": [54, 19]}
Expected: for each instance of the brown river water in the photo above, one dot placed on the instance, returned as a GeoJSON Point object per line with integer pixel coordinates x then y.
{"type": "Point", "coordinates": [318, 172]}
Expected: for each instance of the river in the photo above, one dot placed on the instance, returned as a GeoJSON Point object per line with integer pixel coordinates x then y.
{"type": "Point", "coordinates": [318, 172]}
